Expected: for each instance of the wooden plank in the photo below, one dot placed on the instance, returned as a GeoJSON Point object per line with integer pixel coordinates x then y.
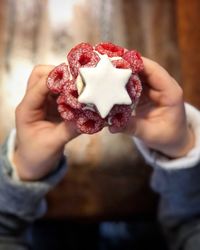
{"type": "Point", "coordinates": [151, 28]}
{"type": "Point", "coordinates": [106, 179]}
{"type": "Point", "coordinates": [3, 62]}
{"type": "Point", "coordinates": [188, 20]}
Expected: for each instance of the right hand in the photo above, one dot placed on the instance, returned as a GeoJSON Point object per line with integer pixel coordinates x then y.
{"type": "Point", "coordinates": [160, 120]}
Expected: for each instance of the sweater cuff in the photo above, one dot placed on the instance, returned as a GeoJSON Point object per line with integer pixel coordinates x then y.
{"type": "Point", "coordinates": [24, 199]}
{"type": "Point", "coordinates": [10, 152]}
{"type": "Point", "coordinates": [156, 159]}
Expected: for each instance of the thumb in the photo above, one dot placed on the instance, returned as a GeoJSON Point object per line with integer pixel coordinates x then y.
{"type": "Point", "coordinates": [66, 131]}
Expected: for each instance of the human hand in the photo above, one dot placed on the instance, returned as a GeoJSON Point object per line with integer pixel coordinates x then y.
{"type": "Point", "coordinates": [41, 134]}
{"type": "Point", "coordinates": [160, 120]}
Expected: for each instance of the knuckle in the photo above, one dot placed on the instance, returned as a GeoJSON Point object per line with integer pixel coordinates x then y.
{"type": "Point", "coordinates": [20, 114]}
{"type": "Point", "coordinates": [20, 107]}
{"type": "Point", "coordinates": [177, 91]}
{"type": "Point", "coordinates": [180, 93]}
{"type": "Point", "coordinates": [37, 68]}
{"type": "Point", "coordinates": [18, 110]}
{"type": "Point", "coordinates": [35, 74]}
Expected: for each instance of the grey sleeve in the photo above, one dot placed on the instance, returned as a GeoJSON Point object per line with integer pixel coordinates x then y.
{"type": "Point", "coordinates": [179, 208]}
{"type": "Point", "coordinates": [21, 202]}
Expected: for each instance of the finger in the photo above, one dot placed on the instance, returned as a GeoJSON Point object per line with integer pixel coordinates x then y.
{"type": "Point", "coordinates": [156, 76]}
{"type": "Point", "coordinates": [38, 72]}
{"type": "Point", "coordinates": [36, 96]}
{"type": "Point", "coordinates": [130, 127]}
{"type": "Point", "coordinates": [66, 131]}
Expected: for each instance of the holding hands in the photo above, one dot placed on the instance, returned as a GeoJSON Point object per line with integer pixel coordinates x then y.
{"type": "Point", "coordinates": [160, 122]}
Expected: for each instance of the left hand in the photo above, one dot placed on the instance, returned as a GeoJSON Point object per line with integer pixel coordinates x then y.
{"type": "Point", "coordinates": [41, 133]}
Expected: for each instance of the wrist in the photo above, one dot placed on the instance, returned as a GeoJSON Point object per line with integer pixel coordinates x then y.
{"type": "Point", "coordinates": [181, 147]}
{"type": "Point", "coordinates": [22, 169]}
{"type": "Point", "coordinates": [29, 170]}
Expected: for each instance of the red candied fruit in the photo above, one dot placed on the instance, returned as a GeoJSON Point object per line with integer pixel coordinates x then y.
{"type": "Point", "coordinates": [135, 60]}
{"type": "Point", "coordinates": [58, 77]}
{"type": "Point", "coordinates": [109, 49]}
{"type": "Point", "coordinates": [82, 55]}
{"type": "Point", "coordinates": [118, 117]}
{"type": "Point", "coordinates": [71, 95]}
{"type": "Point", "coordinates": [121, 64]}
{"type": "Point", "coordinates": [134, 87]}
{"type": "Point", "coordinates": [65, 110]}
{"type": "Point", "coordinates": [89, 122]}
{"type": "Point", "coordinates": [86, 119]}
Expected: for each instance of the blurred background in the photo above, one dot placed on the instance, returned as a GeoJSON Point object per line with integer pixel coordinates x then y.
{"type": "Point", "coordinates": [105, 201]}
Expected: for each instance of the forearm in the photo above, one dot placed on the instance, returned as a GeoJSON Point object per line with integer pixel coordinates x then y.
{"type": "Point", "coordinates": [21, 202]}
{"type": "Point", "coordinates": [179, 206]}
{"type": "Point", "coordinates": [177, 182]}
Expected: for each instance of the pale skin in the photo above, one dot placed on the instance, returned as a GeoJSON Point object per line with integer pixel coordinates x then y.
{"type": "Point", "coordinates": [160, 122]}
{"type": "Point", "coordinates": [41, 134]}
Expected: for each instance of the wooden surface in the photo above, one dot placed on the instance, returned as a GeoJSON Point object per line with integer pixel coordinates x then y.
{"type": "Point", "coordinates": [151, 28]}
{"type": "Point", "coordinates": [106, 178]}
{"type": "Point", "coordinates": [103, 183]}
{"type": "Point", "coordinates": [188, 20]}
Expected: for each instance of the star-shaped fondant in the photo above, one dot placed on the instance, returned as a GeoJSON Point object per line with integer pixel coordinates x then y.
{"type": "Point", "coordinates": [105, 86]}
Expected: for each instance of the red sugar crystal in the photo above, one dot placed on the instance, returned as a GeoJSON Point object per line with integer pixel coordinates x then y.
{"type": "Point", "coordinates": [119, 117]}
{"type": "Point", "coordinates": [58, 77]}
{"type": "Point", "coordinates": [109, 49]}
{"type": "Point", "coordinates": [135, 60]}
{"type": "Point", "coordinates": [82, 55]}
{"type": "Point", "coordinates": [89, 122]}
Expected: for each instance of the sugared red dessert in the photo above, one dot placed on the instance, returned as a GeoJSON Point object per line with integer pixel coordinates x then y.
{"type": "Point", "coordinates": [98, 86]}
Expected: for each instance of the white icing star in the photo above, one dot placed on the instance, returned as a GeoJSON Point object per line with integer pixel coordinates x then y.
{"type": "Point", "coordinates": [105, 86]}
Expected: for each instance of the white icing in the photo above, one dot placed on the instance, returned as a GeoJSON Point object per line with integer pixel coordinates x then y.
{"type": "Point", "coordinates": [89, 107]}
{"type": "Point", "coordinates": [79, 81]}
{"type": "Point", "coordinates": [100, 55]}
{"type": "Point", "coordinates": [79, 84]}
{"type": "Point", "coordinates": [109, 121]}
{"type": "Point", "coordinates": [70, 74]}
{"type": "Point", "coordinates": [111, 58]}
{"type": "Point", "coordinates": [105, 86]}
{"type": "Point", "coordinates": [133, 107]}
{"type": "Point", "coordinates": [115, 58]}
{"type": "Point", "coordinates": [133, 113]}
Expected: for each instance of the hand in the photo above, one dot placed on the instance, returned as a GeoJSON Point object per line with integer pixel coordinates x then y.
{"type": "Point", "coordinates": [41, 135]}
{"type": "Point", "coordinates": [160, 120]}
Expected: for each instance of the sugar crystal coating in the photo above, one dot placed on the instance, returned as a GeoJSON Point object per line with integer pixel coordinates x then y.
{"type": "Point", "coordinates": [62, 81]}
{"type": "Point", "coordinates": [109, 49]}
{"type": "Point", "coordinates": [135, 60]}
{"type": "Point", "coordinates": [134, 87]}
{"type": "Point", "coordinates": [58, 78]}
{"type": "Point", "coordinates": [119, 117]}
{"type": "Point", "coordinates": [89, 122]}
{"type": "Point", "coordinates": [82, 55]}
